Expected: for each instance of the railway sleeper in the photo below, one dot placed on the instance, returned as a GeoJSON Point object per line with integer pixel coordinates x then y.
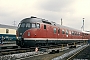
{"type": "Point", "coordinates": [54, 51]}
{"type": "Point", "coordinates": [13, 52]}
{"type": "Point", "coordinates": [8, 47]}
{"type": "Point", "coordinates": [57, 51]}
{"type": "Point", "coordinates": [5, 53]}
{"type": "Point", "coordinates": [73, 46]}
{"type": "Point", "coordinates": [22, 51]}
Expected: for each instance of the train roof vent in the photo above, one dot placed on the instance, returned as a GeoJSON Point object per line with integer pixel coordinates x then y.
{"type": "Point", "coordinates": [46, 21]}
{"type": "Point", "coordinates": [33, 17]}
{"type": "Point", "coordinates": [53, 23]}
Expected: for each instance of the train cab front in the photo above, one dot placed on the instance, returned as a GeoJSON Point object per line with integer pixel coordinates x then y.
{"type": "Point", "coordinates": [19, 33]}
{"type": "Point", "coordinates": [25, 31]}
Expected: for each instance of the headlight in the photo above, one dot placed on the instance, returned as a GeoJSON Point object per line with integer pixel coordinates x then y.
{"type": "Point", "coordinates": [19, 38]}
{"type": "Point", "coordinates": [20, 33]}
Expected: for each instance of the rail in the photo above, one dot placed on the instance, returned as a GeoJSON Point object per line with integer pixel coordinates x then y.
{"type": "Point", "coordinates": [69, 53]}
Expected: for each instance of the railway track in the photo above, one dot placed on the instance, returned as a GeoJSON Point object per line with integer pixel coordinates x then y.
{"type": "Point", "coordinates": [6, 49]}
{"type": "Point", "coordinates": [13, 54]}
{"type": "Point", "coordinates": [47, 56]}
{"type": "Point", "coordinates": [18, 53]}
{"type": "Point", "coordinates": [71, 54]}
{"type": "Point", "coordinates": [82, 54]}
{"type": "Point", "coordinates": [23, 52]}
{"type": "Point", "coordinates": [14, 51]}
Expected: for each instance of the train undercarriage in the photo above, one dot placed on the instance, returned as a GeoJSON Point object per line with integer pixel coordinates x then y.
{"type": "Point", "coordinates": [39, 43]}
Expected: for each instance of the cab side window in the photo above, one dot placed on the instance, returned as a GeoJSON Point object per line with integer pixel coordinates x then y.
{"type": "Point", "coordinates": [44, 26]}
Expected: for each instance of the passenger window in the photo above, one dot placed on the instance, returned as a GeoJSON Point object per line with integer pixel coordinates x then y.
{"type": "Point", "coordinates": [75, 33]}
{"type": "Point", "coordinates": [33, 25]}
{"type": "Point", "coordinates": [72, 33]}
{"type": "Point", "coordinates": [78, 33]}
{"type": "Point", "coordinates": [44, 26]}
{"type": "Point", "coordinates": [66, 32]}
{"type": "Point", "coordinates": [63, 32]}
{"type": "Point", "coordinates": [28, 25]}
{"type": "Point", "coordinates": [38, 25]}
{"type": "Point", "coordinates": [54, 29]}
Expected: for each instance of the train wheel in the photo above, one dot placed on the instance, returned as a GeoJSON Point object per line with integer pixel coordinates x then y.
{"type": "Point", "coordinates": [57, 51]}
{"type": "Point", "coordinates": [53, 52]}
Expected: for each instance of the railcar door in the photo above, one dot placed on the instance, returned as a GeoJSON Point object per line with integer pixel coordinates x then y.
{"type": "Point", "coordinates": [44, 31]}
{"type": "Point", "coordinates": [58, 36]}
{"type": "Point", "coordinates": [49, 32]}
{"type": "Point", "coordinates": [54, 32]}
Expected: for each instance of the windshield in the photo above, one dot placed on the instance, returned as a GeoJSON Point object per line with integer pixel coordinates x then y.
{"type": "Point", "coordinates": [33, 25]}
{"type": "Point", "coordinates": [29, 25]}
{"type": "Point", "coordinates": [22, 25]}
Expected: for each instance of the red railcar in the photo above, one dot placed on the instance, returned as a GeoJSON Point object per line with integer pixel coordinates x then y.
{"type": "Point", "coordinates": [35, 31]}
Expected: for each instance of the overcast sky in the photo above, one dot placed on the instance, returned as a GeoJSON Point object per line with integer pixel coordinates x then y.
{"type": "Point", "coordinates": [72, 12]}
